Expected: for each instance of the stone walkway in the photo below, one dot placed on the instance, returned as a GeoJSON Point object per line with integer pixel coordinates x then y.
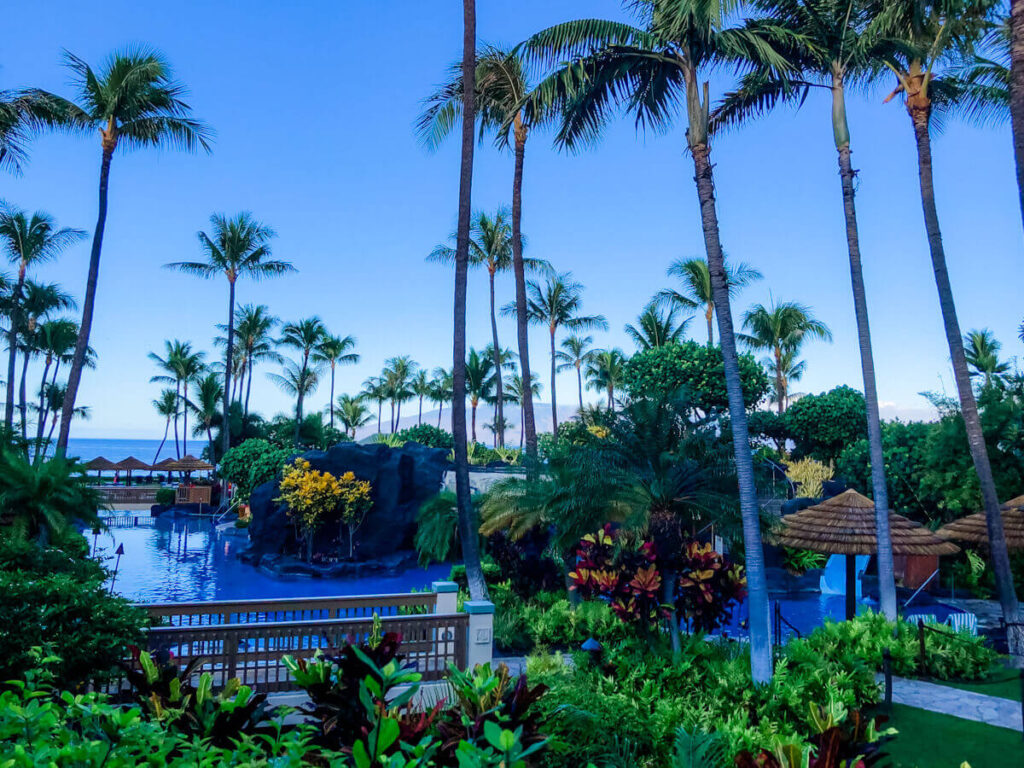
{"type": "Point", "coordinates": [968, 705]}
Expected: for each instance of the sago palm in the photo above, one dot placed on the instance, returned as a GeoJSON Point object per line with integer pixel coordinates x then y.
{"type": "Point", "coordinates": [780, 328]}
{"type": "Point", "coordinates": [555, 305]}
{"type": "Point", "coordinates": [575, 352]}
{"type": "Point", "coordinates": [133, 101]}
{"type": "Point", "coordinates": [26, 241]}
{"type": "Point", "coordinates": [659, 71]}
{"type": "Point", "coordinates": [334, 351]}
{"type": "Point", "coordinates": [924, 41]}
{"type": "Point", "coordinates": [694, 291]}
{"type": "Point", "coordinates": [502, 88]}
{"type": "Point", "coordinates": [656, 327]}
{"type": "Point", "coordinates": [235, 247]}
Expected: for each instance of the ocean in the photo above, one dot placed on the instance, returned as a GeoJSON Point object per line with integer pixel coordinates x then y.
{"type": "Point", "coordinates": [118, 450]}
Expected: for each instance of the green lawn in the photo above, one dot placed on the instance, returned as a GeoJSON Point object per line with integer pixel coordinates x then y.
{"type": "Point", "coordinates": [930, 740]}
{"type": "Point", "coordinates": [1004, 683]}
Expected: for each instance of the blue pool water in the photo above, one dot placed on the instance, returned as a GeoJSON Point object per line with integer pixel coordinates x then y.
{"type": "Point", "coordinates": [186, 559]}
{"type": "Point", "coordinates": [802, 614]}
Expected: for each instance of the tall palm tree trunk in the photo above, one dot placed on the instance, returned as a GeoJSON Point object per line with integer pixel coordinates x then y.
{"type": "Point", "coordinates": [419, 417]}
{"type": "Point", "coordinates": [167, 427]}
{"type": "Point", "coordinates": [225, 441]}
{"type": "Point", "coordinates": [880, 493]}
{"type": "Point", "coordinates": [82, 344]}
{"type": "Point", "coordinates": [709, 318]}
{"type": "Point", "coordinates": [473, 404]}
{"type": "Point", "coordinates": [499, 410]}
{"type": "Point", "coordinates": [298, 417]}
{"type": "Point", "coordinates": [757, 582]}
{"type": "Point", "coordinates": [920, 116]}
{"type": "Point", "coordinates": [248, 391]}
{"type": "Point", "coordinates": [391, 423]}
{"type": "Point", "coordinates": [529, 424]}
{"type": "Point", "coordinates": [611, 397]}
{"type": "Point", "coordinates": [579, 384]}
{"type": "Point", "coordinates": [184, 420]}
{"type": "Point", "coordinates": [440, 410]}
{"type": "Point", "coordinates": [12, 347]}
{"type": "Point", "coordinates": [331, 402]}
{"type": "Point", "coordinates": [780, 381]}
{"type": "Point", "coordinates": [23, 397]}
{"type": "Point", "coordinates": [380, 414]}
{"type": "Point", "coordinates": [554, 399]}
{"type": "Point", "coordinates": [1017, 90]}
{"type": "Point", "coordinates": [177, 401]}
{"type": "Point", "coordinates": [41, 417]}
{"type": "Point", "coordinates": [468, 525]}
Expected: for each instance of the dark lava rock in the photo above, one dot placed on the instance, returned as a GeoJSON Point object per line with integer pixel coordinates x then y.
{"type": "Point", "coordinates": [402, 479]}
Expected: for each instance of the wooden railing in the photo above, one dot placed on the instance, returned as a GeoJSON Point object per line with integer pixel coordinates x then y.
{"type": "Point", "coordinates": [252, 651]}
{"type": "Point", "coordinates": [226, 612]}
{"type": "Point", "coordinates": [114, 494]}
{"type": "Point", "coordinates": [193, 494]}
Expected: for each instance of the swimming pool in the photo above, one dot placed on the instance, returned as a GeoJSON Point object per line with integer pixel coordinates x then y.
{"type": "Point", "coordinates": [801, 614]}
{"type": "Point", "coordinates": [187, 560]}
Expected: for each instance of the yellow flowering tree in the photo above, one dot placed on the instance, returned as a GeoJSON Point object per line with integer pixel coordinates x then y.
{"type": "Point", "coordinates": [312, 497]}
{"type": "Point", "coordinates": [355, 502]}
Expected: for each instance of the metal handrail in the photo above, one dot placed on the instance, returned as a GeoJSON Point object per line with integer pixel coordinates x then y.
{"type": "Point", "coordinates": [918, 590]}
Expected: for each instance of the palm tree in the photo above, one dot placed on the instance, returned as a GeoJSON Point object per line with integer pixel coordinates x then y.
{"type": "Point", "coordinates": [481, 380]}
{"type": "Point", "coordinates": [375, 389]}
{"type": "Point", "coordinates": [353, 413]}
{"type": "Point", "coordinates": [167, 406]}
{"type": "Point", "coordinates": [181, 365]}
{"type": "Point", "coordinates": [556, 305]}
{"type": "Point", "coordinates": [656, 328]}
{"type": "Point", "coordinates": [304, 336]}
{"type": "Point", "coordinates": [55, 405]}
{"type": "Point", "coordinates": [656, 69]}
{"type": "Point", "coordinates": [784, 370]}
{"type": "Point", "coordinates": [254, 327]}
{"type": "Point", "coordinates": [397, 375]}
{"type": "Point", "coordinates": [828, 44]}
{"type": "Point", "coordinates": [514, 393]}
{"type": "Point", "coordinates": [421, 387]}
{"type": "Point", "coordinates": [781, 328]}
{"type": "Point", "coordinates": [441, 390]}
{"type": "Point", "coordinates": [300, 381]}
{"type": "Point", "coordinates": [335, 351]}
{"type": "Point", "coordinates": [55, 340]}
{"type": "Point", "coordinates": [21, 114]}
{"type": "Point", "coordinates": [982, 352]}
{"type": "Point", "coordinates": [501, 90]}
{"type": "Point", "coordinates": [40, 300]}
{"type": "Point", "coordinates": [575, 353]}
{"type": "Point", "coordinates": [237, 247]}
{"type": "Point", "coordinates": [695, 290]}
{"type": "Point", "coordinates": [605, 373]}
{"type": "Point", "coordinates": [27, 241]}
{"type": "Point", "coordinates": [922, 39]}
{"type": "Point", "coordinates": [207, 395]}
{"type": "Point", "coordinates": [133, 101]}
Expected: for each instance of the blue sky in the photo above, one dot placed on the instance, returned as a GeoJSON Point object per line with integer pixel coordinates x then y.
{"type": "Point", "coordinates": [313, 103]}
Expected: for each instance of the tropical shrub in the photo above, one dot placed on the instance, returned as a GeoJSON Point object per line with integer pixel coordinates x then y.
{"type": "Point", "coordinates": [707, 588]}
{"type": "Point", "coordinates": [165, 497]}
{"type": "Point", "coordinates": [253, 463]}
{"type": "Point", "coordinates": [57, 597]}
{"type": "Point", "coordinates": [809, 476]}
{"type": "Point", "coordinates": [693, 372]}
{"type": "Point", "coordinates": [492, 574]}
{"type": "Point", "coordinates": [769, 425]}
{"type": "Point", "coordinates": [428, 435]}
{"type": "Point", "coordinates": [437, 529]}
{"type": "Point", "coordinates": [799, 561]}
{"type": "Point", "coordinates": [353, 504]}
{"type": "Point", "coordinates": [41, 500]}
{"type": "Point", "coordinates": [822, 426]}
{"type": "Point", "coordinates": [904, 446]}
{"type": "Point", "coordinates": [525, 562]}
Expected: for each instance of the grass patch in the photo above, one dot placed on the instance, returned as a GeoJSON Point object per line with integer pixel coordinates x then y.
{"type": "Point", "coordinates": [930, 740]}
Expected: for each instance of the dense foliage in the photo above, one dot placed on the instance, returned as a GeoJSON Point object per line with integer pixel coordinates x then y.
{"type": "Point", "coordinates": [694, 372]}
{"type": "Point", "coordinates": [253, 463]}
{"type": "Point", "coordinates": [41, 500]}
{"type": "Point", "coordinates": [57, 597]}
{"type": "Point", "coordinates": [821, 426]}
{"type": "Point", "coordinates": [428, 435]}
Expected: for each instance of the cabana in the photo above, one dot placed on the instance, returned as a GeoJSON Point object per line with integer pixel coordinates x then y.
{"type": "Point", "coordinates": [845, 525]}
{"type": "Point", "coordinates": [129, 465]}
{"type": "Point", "coordinates": [973, 529]}
{"type": "Point", "coordinates": [100, 464]}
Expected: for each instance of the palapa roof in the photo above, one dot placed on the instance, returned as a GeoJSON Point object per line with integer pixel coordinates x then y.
{"type": "Point", "coordinates": [845, 525]}
{"type": "Point", "coordinates": [132, 463]}
{"type": "Point", "coordinates": [101, 464]}
{"type": "Point", "coordinates": [189, 463]}
{"type": "Point", "coordinates": [166, 463]}
{"type": "Point", "coordinates": [974, 528]}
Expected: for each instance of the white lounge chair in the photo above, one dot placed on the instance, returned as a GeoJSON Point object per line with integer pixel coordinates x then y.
{"type": "Point", "coordinates": [961, 622]}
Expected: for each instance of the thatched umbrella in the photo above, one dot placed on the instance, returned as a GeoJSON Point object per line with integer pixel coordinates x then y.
{"type": "Point", "coordinates": [845, 525]}
{"type": "Point", "coordinates": [131, 463]}
{"type": "Point", "coordinates": [101, 464]}
{"type": "Point", "coordinates": [973, 529]}
{"type": "Point", "coordinates": [189, 464]}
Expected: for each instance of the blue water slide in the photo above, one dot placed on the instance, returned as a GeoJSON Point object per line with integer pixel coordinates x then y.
{"type": "Point", "coordinates": [833, 578]}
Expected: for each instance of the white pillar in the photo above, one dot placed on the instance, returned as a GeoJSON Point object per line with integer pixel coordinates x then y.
{"type": "Point", "coordinates": [447, 596]}
{"type": "Point", "coordinates": [479, 645]}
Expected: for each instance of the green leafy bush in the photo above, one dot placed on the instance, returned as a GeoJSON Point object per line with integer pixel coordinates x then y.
{"type": "Point", "coordinates": [548, 620]}
{"type": "Point", "coordinates": [42, 500]}
{"type": "Point", "coordinates": [428, 435]}
{"type": "Point", "coordinates": [823, 425]}
{"type": "Point", "coordinates": [165, 496]}
{"type": "Point", "coordinates": [58, 598]}
{"type": "Point", "coordinates": [694, 372]}
{"type": "Point", "coordinates": [253, 463]}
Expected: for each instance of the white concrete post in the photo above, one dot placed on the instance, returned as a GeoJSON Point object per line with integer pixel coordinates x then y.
{"type": "Point", "coordinates": [479, 645]}
{"type": "Point", "coordinates": [447, 596]}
